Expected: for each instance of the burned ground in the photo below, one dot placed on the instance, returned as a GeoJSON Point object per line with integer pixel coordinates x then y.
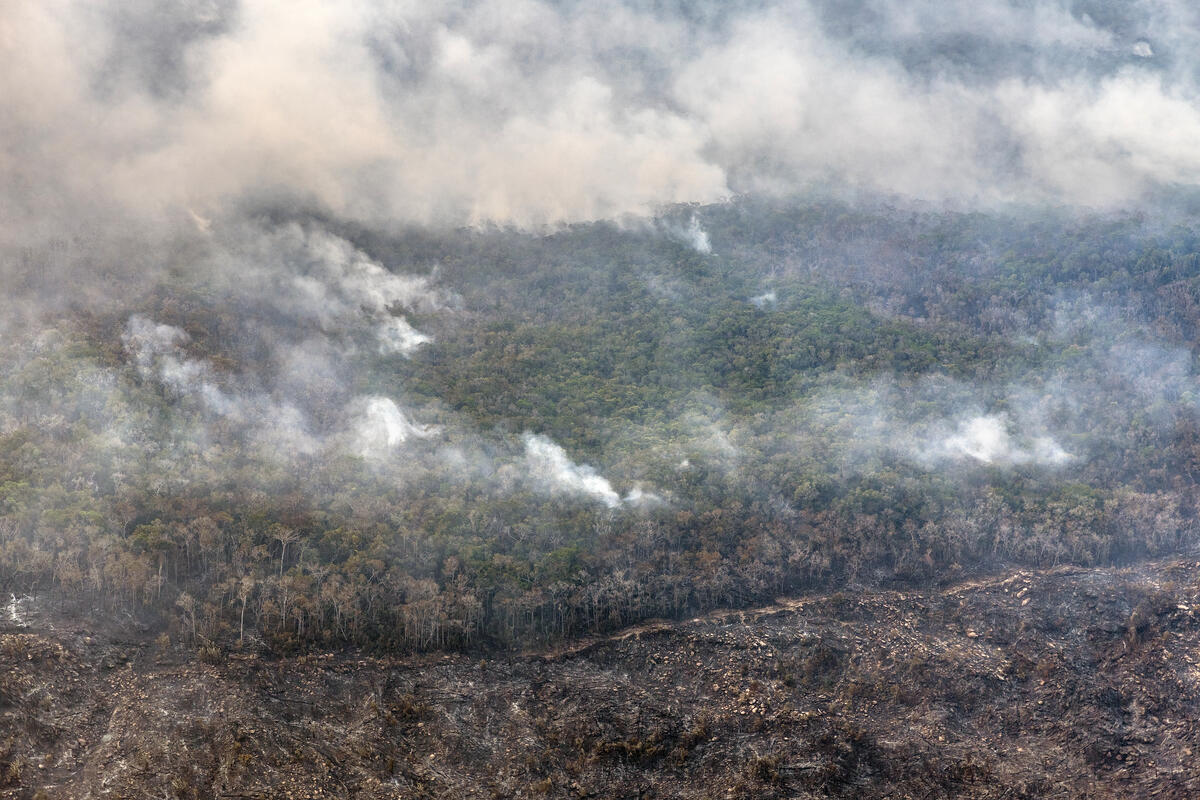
{"type": "Point", "coordinates": [1067, 682]}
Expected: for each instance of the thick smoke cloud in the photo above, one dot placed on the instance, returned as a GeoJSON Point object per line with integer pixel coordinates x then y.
{"type": "Point", "coordinates": [527, 113]}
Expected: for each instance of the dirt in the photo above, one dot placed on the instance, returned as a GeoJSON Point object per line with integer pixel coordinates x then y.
{"type": "Point", "coordinates": [1062, 683]}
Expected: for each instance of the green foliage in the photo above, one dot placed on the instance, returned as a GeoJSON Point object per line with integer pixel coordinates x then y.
{"type": "Point", "coordinates": [751, 414]}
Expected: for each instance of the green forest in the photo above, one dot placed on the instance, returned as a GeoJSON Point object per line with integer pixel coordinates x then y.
{"type": "Point", "coordinates": [573, 431]}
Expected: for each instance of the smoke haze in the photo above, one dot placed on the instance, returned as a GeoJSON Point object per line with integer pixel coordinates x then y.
{"type": "Point", "coordinates": [533, 113]}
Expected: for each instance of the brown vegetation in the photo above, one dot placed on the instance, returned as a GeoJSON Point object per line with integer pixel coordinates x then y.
{"type": "Point", "coordinates": [1062, 683]}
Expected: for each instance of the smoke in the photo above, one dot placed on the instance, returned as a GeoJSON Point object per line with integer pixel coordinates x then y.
{"type": "Point", "coordinates": [240, 149]}
{"type": "Point", "coordinates": [989, 440]}
{"type": "Point", "coordinates": [157, 350]}
{"type": "Point", "coordinates": [148, 342]}
{"type": "Point", "coordinates": [381, 427]}
{"type": "Point", "coordinates": [936, 424]}
{"type": "Point", "coordinates": [552, 470]}
{"type": "Point", "coordinates": [693, 235]}
{"type": "Point", "coordinates": [764, 300]}
{"type": "Point", "coordinates": [323, 293]}
{"type": "Point", "coordinates": [309, 274]}
{"type": "Point", "coordinates": [528, 113]}
{"type": "Point", "coordinates": [376, 427]}
{"type": "Point", "coordinates": [158, 354]}
{"type": "Point", "coordinates": [397, 336]}
{"type": "Point", "coordinates": [641, 498]}
{"type": "Point", "coordinates": [352, 279]}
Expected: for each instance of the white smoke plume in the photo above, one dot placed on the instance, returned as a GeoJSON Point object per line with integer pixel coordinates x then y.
{"type": "Point", "coordinates": [764, 300]}
{"type": "Point", "coordinates": [377, 426]}
{"type": "Point", "coordinates": [693, 235]}
{"type": "Point", "coordinates": [552, 470]}
{"type": "Point", "coordinates": [311, 273]}
{"type": "Point", "coordinates": [988, 440]}
{"type": "Point", "coordinates": [935, 424]}
{"type": "Point", "coordinates": [397, 336]}
{"type": "Point", "coordinates": [381, 427]}
{"type": "Point", "coordinates": [358, 281]}
{"type": "Point", "coordinates": [641, 498]}
{"type": "Point", "coordinates": [157, 352]}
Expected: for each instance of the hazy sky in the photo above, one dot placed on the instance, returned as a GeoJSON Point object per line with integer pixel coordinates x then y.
{"type": "Point", "coordinates": [523, 112]}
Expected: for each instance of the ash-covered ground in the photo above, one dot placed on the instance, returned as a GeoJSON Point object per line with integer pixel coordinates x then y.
{"type": "Point", "coordinates": [1062, 683]}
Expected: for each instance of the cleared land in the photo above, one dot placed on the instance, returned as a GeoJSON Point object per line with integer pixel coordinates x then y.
{"type": "Point", "coordinates": [1066, 682]}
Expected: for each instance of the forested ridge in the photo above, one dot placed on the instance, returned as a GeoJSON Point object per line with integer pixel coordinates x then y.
{"type": "Point", "coordinates": [606, 424]}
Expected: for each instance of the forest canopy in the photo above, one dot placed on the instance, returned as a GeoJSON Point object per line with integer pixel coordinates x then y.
{"type": "Point", "coordinates": [328, 435]}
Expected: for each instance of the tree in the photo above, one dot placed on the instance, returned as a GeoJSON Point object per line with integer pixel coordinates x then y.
{"type": "Point", "coordinates": [284, 536]}
{"type": "Point", "coordinates": [187, 604]}
{"type": "Point", "coordinates": [245, 589]}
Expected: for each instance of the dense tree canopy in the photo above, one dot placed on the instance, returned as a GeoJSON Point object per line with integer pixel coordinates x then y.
{"type": "Point", "coordinates": [835, 394]}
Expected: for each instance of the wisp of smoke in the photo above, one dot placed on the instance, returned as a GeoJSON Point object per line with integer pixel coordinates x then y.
{"type": "Point", "coordinates": [638, 497]}
{"type": "Point", "coordinates": [764, 300]}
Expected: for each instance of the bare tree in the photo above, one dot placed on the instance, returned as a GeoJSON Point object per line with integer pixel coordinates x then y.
{"type": "Point", "coordinates": [284, 536]}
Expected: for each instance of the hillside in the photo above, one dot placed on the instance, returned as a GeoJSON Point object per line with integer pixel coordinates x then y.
{"type": "Point", "coordinates": [316, 435]}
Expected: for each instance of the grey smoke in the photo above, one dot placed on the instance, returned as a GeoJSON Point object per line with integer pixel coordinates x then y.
{"type": "Point", "coordinates": [534, 113]}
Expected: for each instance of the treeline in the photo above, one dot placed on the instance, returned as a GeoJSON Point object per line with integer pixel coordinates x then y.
{"type": "Point", "coordinates": [431, 574]}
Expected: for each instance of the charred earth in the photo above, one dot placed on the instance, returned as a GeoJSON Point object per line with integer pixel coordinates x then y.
{"type": "Point", "coordinates": [1066, 682]}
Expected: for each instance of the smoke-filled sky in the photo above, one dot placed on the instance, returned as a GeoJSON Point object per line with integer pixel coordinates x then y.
{"type": "Point", "coordinates": [530, 113]}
